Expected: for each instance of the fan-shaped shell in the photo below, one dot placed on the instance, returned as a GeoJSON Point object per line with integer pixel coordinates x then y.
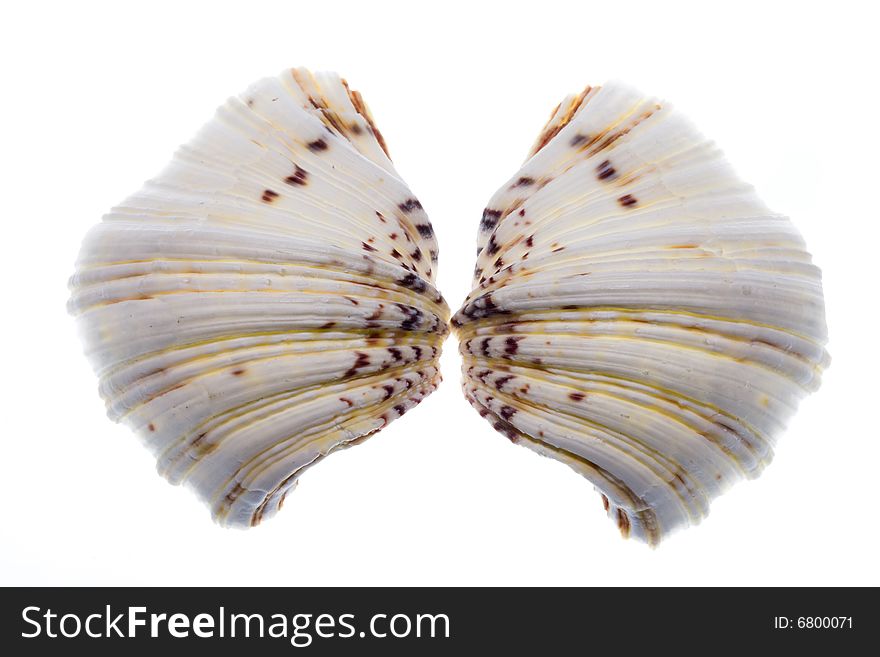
{"type": "Point", "coordinates": [267, 299]}
{"type": "Point", "coordinates": [638, 313]}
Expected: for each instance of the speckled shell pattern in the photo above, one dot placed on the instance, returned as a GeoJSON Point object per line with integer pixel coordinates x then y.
{"type": "Point", "coordinates": [265, 300]}
{"type": "Point", "coordinates": [638, 313]}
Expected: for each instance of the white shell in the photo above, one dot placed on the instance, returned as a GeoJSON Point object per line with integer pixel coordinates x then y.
{"type": "Point", "coordinates": [267, 299]}
{"type": "Point", "coordinates": [638, 313]}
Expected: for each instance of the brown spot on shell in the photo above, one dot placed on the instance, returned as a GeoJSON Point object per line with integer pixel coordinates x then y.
{"type": "Point", "coordinates": [627, 200]}
{"type": "Point", "coordinates": [361, 360]}
{"type": "Point", "coordinates": [317, 145]}
{"type": "Point", "coordinates": [577, 140]}
{"type": "Point", "coordinates": [507, 429]}
{"type": "Point", "coordinates": [410, 205]}
{"type": "Point", "coordinates": [605, 503]}
{"type": "Point", "coordinates": [151, 426]}
{"type": "Point", "coordinates": [299, 177]}
{"type": "Point", "coordinates": [490, 219]}
{"type": "Point", "coordinates": [413, 282]}
{"type": "Point", "coordinates": [269, 196]}
{"type": "Point", "coordinates": [623, 523]}
{"type": "Point", "coordinates": [501, 380]}
{"type": "Point", "coordinates": [492, 247]}
{"type": "Point", "coordinates": [377, 314]}
{"type": "Point", "coordinates": [576, 396]}
{"type": "Point", "coordinates": [413, 316]}
{"type": "Point", "coordinates": [605, 171]}
{"type": "Point", "coordinates": [524, 181]}
{"type": "Point", "coordinates": [238, 372]}
{"type": "Point", "coordinates": [507, 412]}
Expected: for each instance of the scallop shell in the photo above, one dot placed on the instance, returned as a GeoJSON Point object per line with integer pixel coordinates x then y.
{"type": "Point", "coordinates": [267, 299]}
{"type": "Point", "coordinates": [638, 313]}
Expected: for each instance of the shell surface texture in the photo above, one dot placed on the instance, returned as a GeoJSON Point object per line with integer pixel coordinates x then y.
{"type": "Point", "coordinates": [267, 299]}
{"type": "Point", "coordinates": [638, 313]}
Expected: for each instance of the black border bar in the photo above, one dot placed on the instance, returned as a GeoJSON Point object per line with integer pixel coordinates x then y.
{"type": "Point", "coordinates": [518, 620]}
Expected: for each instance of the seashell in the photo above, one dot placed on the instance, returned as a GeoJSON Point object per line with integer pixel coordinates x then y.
{"type": "Point", "coordinates": [638, 313]}
{"type": "Point", "coordinates": [267, 299]}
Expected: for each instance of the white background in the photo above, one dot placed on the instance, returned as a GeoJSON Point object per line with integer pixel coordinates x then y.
{"type": "Point", "coordinates": [96, 97]}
